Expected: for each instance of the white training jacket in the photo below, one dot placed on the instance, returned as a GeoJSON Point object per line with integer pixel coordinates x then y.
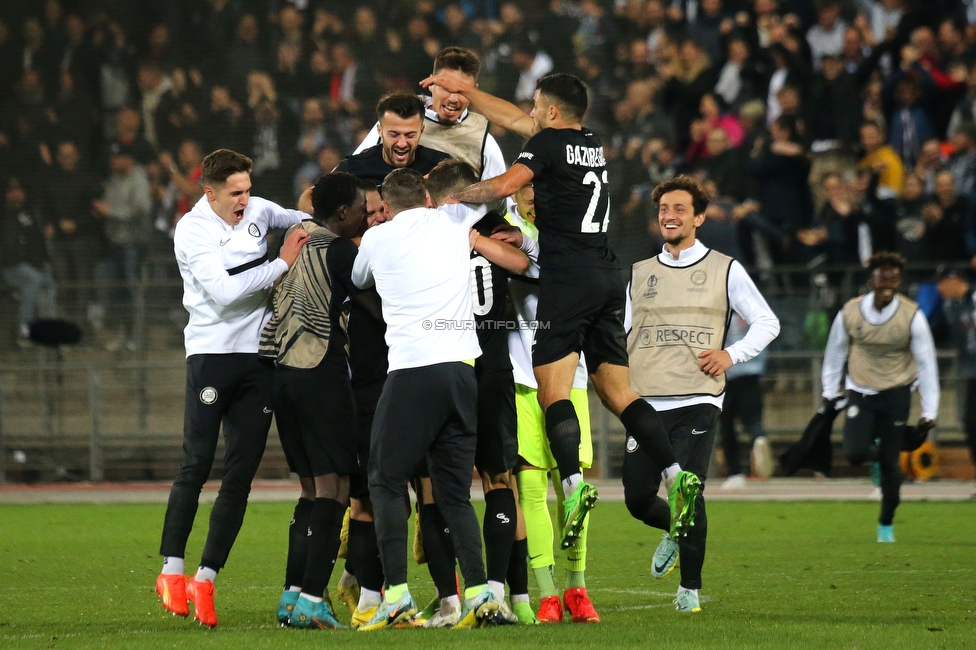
{"type": "Point", "coordinates": [227, 276]}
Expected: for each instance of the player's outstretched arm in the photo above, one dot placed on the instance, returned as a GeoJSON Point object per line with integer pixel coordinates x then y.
{"type": "Point", "coordinates": [495, 109]}
{"type": "Point", "coordinates": [499, 187]}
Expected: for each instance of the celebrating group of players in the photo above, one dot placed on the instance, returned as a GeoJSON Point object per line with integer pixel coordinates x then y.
{"type": "Point", "coordinates": [415, 335]}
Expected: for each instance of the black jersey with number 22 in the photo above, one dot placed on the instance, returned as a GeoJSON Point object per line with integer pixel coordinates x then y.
{"type": "Point", "coordinates": [572, 198]}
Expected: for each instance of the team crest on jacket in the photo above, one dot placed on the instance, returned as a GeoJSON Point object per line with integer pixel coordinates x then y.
{"type": "Point", "coordinates": [253, 230]}
{"type": "Point", "coordinates": [208, 395]}
{"type": "Point", "coordinates": [631, 444]}
{"type": "Point", "coordinates": [853, 411]}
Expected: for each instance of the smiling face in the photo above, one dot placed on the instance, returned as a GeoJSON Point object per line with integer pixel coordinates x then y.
{"type": "Point", "coordinates": [400, 137]}
{"type": "Point", "coordinates": [229, 198]}
{"type": "Point", "coordinates": [449, 106]}
{"type": "Point", "coordinates": [374, 209]}
{"type": "Point", "coordinates": [677, 218]}
{"type": "Point", "coordinates": [884, 281]}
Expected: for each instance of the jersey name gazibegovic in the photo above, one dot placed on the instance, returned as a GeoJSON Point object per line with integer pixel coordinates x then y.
{"type": "Point", "coordinates": [572, 198]}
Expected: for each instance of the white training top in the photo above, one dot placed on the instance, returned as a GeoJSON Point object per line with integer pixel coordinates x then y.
{"type": "Point", "coordinates": [226, 275]}
{"type": "Point", "coordinates": [922, 347]}
{"type": "Point", "coordinates": [524, 291]}
{"type": "Point", "coordinates": [492, 161]}
{"type": "Point", "coordinates": [420, 263]}
{"type": "Point", "coordinates": [744, 299]}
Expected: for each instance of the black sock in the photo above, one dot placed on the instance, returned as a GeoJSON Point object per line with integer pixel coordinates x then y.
{"type": "Point", "coordinates": [563, 431]}
{"type": "Point", "coordinates": [499, 531]}
{"type": "Point", "coordinates": [298, 544]}
{"type": "Point", "coordinates": [365, 554]}
{"type": "Point", "coordinates": [643, 423]}
{"type": "Point", "coordinates": [325, 525]}
{"type": "Point", "coordinates": [439, 550]}
{"type": "Point", "coordinates": [518, 568]}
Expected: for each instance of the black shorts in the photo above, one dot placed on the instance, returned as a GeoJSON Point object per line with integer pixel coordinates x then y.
{"type": "Point", "coordinates": [497, 450]}
{"type": "Point", "coordinates": [581, 310]}
{"type": "Point", "coordinates": [317, 427]}
{"type": "Point", "coordinates": [366, 398]}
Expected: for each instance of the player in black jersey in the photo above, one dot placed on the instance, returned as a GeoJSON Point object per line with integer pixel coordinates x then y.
{"type": "Point", "coordinates": [581, 291]}
{"type": "Point", "coordinates": [401, 122]}
{"type": "Point", "coordinates": [312, 398]}
{"type": "Point", "coordinates": [497, 447]}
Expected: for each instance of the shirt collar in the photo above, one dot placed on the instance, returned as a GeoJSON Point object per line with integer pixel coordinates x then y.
{"type": "Point", "coordinates": [885, 313]}
{"type": "Point", "coordinates": [686, 257]}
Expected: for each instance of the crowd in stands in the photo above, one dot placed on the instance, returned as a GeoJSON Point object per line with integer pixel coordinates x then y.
{"type": "Point", "coordinates": [825, 128]}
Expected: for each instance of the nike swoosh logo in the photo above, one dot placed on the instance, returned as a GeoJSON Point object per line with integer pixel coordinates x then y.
{"type": "Point", "coordinates": [696, 432]}
{"type": "Point", "coordinates": [224, 241]}
{"type": "Point", "coordinates": [661, 567]}
{"type": "Point", "coordinates": [267, 410]}
{"type": "Point", "coordinates": [391, 618]}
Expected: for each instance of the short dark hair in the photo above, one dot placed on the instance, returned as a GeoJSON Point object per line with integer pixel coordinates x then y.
{"type": "Point", "coordinates": [886, 259]}
{"type": "Point", "coordinates": [448, 176]}
{"type": "Point", "coordinates": [403, 189]}
{"type": "Point", "coordinates": [401, 103]}
{"type": "Point", "coordinates": [222, 163]}
{"type": "Point", "coordinates": [458, 58]}
{"type": "Point", "coordinates": [333, 192]}
{"type": "Point", "coordinates": [699, 196]}
{"type": "Point", "coordinates": [367, 185]}
{"type": "Point", "coordinates": [566, 91]}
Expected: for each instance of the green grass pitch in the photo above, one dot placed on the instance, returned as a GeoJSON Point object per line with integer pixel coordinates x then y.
{"type": "Point", "coordinates": [777, 575]}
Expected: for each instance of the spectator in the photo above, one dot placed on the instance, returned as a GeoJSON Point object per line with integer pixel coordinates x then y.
{"type": "Point", "coordinates": [881, 158]}
{"type": "Point", "coordinates": [223, 120]}
{"type": "Point", "coordinates": [910, 224]}
{"type": "Point", "coordinates": [707, 28]}
{"type": "Point", "coordinates": [724, 166]}
{"type": "Point", "coordinates": [834, 93]}
{"type": "Point", "coordinates": [78, 239]}
{"type": "Point", "coordinates": [118, 62]}
{"type": "Point", "coordinates": [129, 135]}
{"type": "Point", "coordinates": [269, 153]}
{"type": "Point", "coordinates": [152, 87]}
{"type": "Point", "coordinates": [909, 125]}
{"type": "Point", "coordinates": [834, 232]}
{"type": "Point", "coordinates": [181, 110]}
{"type": "Point", "coordinates": [533, 64]}
{"type": "Point", "coordinates": [883, 17]}
{"type": "Point", "coordinates": [948, 231]}
{"type": "Point", "coordinates": [126, 209]}
{"type": "Point", "coordinates": [780, 168]}
{"type": "Point", "coordinates": [687, 77]}
{"type": "Point", "coordinates": [24, 261]}
{"type": "Point", "coordinates": [827, 36]}
{"type": "Point", "coordinates": [712, 118]}
{"type": "Point", "coordinates": [244, 55]}
{"type": "Point", "coordinates": [738, 77]}
{"type": "Point", "coordinates": [561, 24]}
{"type": "Point", "coordinates": [962, 162]}
{"type": "Point", "coordinates": [929, 164]}
{"type": "Point", "coordinates": [324, 162]}
{"type": "Point", "coordinates": [183, 189]}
